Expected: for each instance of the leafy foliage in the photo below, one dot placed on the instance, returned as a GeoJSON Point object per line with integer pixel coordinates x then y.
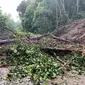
{"type": "Point", "coordinates": [3, 25]}
{"type": "Point", "coordinates": [78, 63]}
{"type": "Point", "coordinates": [37, 17]}
{"type": "Point", "coordinates": [30, 61]}
{"type": "Point", "coordinates": [43, 16]}
{"type": "Point", "coordinates": [7, 23]}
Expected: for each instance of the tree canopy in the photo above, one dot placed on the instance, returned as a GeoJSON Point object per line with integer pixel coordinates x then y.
{"type": "Point", "coordinates": [3, 25]}
{"type": "Point", "coordinates": [43, 16]}
{"type": "Point", "coordinates": [7, 23]}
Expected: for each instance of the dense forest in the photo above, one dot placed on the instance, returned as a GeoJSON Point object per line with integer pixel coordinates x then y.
{"type": "Point", "coordinates": [46, 46]}
{"type": "Point", "coordinates": [43, 16]}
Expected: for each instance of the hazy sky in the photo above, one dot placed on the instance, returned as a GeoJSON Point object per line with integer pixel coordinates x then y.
{"type": "Point", "coordinates": [10, 6]}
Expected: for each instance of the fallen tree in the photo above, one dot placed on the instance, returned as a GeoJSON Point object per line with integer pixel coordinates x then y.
{"type": "Point", "coordinates": [51, 36]}
{"type": "Point", "coordinates": [8, 41]}
{"type": "Point", "coordinates": [60, 51]}
{"type": "Point", "coordinates": [29, 39]}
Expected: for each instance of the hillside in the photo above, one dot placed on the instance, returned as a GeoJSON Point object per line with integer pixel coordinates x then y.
{"type": "Point", "coordinates": [7, 34]}
{"type": "Point", "coordinates": [74, 32]}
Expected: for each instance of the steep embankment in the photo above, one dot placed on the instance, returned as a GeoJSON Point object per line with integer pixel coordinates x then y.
{"type": "Point", "coordinates": [74, 32]}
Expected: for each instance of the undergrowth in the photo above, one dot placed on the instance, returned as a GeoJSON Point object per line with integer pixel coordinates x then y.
{"type": "Point", "coordinates": [28, 60]}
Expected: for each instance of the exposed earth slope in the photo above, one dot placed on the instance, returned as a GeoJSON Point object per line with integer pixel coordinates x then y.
{"type": "Point", "coordinates": [74, 32]}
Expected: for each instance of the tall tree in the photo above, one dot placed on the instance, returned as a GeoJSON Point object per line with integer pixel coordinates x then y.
{"type": "Point", "coordinates": [77, 4]}
{"type": "Point", "coordinates": [42, 16]}
{"type": "Point", "coordinates": [3, 25]}
{"type": "Point", "coordinates": [22, 7]}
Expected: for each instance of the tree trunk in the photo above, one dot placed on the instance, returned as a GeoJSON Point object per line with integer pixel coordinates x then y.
{"type": "Point", "coordinates": [63, 4]}
{"type": "Point", "coordinates": [3, 42]}
{"type": "Point", "coordinates": [77, 4]}
{"type": "Point", "coordinates": [57, 14]}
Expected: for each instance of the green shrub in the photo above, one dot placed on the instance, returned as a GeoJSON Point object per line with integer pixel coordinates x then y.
{"type": "Point", "coordinates": [28, 60]}
{"type": "Point", "coordinates": [23, 54]}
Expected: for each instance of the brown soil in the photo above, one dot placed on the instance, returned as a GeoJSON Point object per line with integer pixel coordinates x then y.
{"type": "Point", "coordinates": [73, 32]}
